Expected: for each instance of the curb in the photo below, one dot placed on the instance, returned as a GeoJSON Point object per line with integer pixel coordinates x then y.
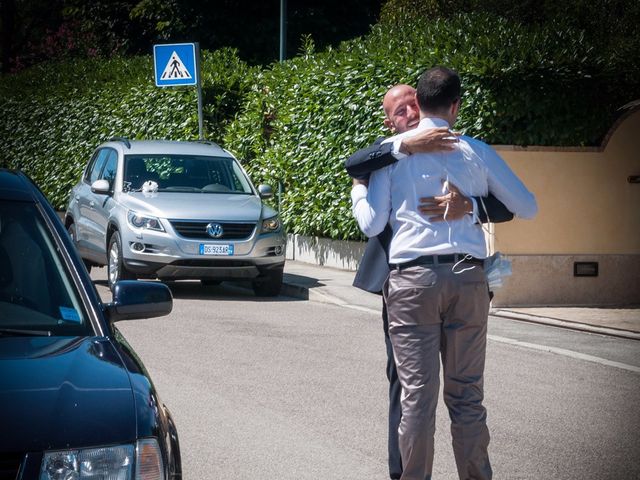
{"type": "Point", "coordinates": [294, 291]}
{"type": "Point", "coordinates": [566, 324]}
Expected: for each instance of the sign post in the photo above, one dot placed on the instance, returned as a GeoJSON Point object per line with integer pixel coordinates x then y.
{"type": "Point", "coordinates": [176, 65]}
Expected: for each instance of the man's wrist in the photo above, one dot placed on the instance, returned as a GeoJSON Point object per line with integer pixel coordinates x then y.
{"type": "Point", "coordinates": [360, 181]}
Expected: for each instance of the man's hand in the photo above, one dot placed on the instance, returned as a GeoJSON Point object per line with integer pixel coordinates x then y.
{"type": "Point", "coordinates": [360, 181]}
{"type": "Point", "coordinates": [430, 140]}
{"type": "Point", "coordinates": [435, 207]}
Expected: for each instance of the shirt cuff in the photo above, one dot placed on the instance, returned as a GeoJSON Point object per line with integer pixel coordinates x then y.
{"type": "Point", "coordinates": [358, 192]}
{"type": "Point", "coordinates": [396, 149]}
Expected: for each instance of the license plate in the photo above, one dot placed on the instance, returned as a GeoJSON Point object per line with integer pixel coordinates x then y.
{"type": "Point", "coordinates": [207, 249]}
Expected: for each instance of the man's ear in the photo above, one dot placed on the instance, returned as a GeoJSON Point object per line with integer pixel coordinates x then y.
{"type": "Point", "coordinates": [455, 106]}
{"type": "Point", "coordinates": [389, 124]}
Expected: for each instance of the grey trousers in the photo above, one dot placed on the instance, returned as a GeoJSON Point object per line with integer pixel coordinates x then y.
{"type": "Point", "coordinates": [435, 312]}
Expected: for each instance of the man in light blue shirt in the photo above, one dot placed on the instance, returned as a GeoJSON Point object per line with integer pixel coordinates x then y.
{"type": "Point", "coordinates": [436, 293]}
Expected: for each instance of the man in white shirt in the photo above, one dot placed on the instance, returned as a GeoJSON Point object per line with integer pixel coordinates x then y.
{"type": "Point", "coordinates": [436, 293]}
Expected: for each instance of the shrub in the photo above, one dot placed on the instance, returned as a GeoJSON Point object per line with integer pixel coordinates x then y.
{"type": "Point", "coordinates": [523, 85]}
{"type": "Point", "coordinates": [54, 116]}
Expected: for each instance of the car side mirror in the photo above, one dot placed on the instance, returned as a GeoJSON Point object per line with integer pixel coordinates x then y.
{"type": "Point", "coordinates": [101, 187]}
{"type": "Point", "coordinates": [265, 191]}
{"type": "Point", "coordinates": [133, 300]}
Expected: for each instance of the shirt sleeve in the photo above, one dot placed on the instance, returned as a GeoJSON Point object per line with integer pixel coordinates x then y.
{"type": "Point", "coordinates": [371, 206]}
{"type": "Point", "coordinates": [366, 160]}
{"type": "Point", "coordinates": [507, 187]}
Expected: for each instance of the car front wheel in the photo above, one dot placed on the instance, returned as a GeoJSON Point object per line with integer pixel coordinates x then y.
{"type": "Point", "coordinates": [269, 285]}
{"type": "Point", "coordinates": [116, 269]}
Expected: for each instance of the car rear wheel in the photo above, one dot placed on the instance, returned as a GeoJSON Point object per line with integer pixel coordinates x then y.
{"type": "Point", "coordinates": [269, 285]}
{"type": "Point", "coordinates": [116, 270]}
{"type": "Point", "coordinates": [74, 239]}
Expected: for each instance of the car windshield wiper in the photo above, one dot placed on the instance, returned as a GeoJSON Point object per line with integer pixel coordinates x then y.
{"type": "Point", "coordinates": [17, 332]}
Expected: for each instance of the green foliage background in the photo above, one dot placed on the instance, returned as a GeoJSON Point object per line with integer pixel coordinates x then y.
{"type": "Point", "coordinates": [525, 83]}
{"type": "Point", "coordinates": [53, 116]}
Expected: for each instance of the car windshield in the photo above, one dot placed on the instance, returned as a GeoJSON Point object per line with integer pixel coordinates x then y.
{"type": "Point", "coordinates": [173, 173]}
{"type": "Point", "coordinates": [37, 294]}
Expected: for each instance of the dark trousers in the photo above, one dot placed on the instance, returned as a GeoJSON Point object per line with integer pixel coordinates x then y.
{"type": "Point", "coordinates": [395, 410]}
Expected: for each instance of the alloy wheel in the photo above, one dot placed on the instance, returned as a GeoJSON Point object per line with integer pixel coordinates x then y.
{"type": "Point", "coordinates": [114, 262]}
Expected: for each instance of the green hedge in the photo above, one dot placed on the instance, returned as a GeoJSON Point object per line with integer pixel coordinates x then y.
{"type": "Point", "coordinates": [54, 116]}
{"type": "Point", "coordinates": [523, 85]}
{"type": "Point", "coordinates": [295, 122]}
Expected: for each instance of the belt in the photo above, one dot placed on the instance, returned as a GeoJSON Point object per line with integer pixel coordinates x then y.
{"type": "Point", "coordinates": [438, 260]}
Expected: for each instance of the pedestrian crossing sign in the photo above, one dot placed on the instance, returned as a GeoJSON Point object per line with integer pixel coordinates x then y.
{"type": "Point", "coordinates": [175, 64]}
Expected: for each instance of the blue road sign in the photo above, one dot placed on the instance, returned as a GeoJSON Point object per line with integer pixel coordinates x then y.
{"type": "Point", "coordinates": [175, 64]}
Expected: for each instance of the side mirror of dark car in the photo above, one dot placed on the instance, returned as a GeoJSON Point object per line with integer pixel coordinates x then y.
{"type": "Point", "coordinates": [133, 299]}
{"type": "Point", "coordinates": [101, 187]}
{"type": "Point", "coordinates": [265, 191]}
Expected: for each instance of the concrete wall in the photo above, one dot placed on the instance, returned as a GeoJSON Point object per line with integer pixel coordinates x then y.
{"type": "Point", "coordinates": [588, 211]}
{"type": "Point", "coordinates": [586, 204]}
{"type": "Point", "coordinates": [325, 252]}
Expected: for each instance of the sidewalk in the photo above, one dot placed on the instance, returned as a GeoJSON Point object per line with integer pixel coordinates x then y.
{"type": "Point", "coordinates": [331, 285]}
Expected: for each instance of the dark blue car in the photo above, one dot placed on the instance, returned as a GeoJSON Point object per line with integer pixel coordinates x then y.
{"type": "Point", "coordinates": [75, 400]}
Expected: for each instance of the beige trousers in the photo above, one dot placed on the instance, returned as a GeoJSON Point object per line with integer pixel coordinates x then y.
{"type": "Point", "coordinates": [439, 311]}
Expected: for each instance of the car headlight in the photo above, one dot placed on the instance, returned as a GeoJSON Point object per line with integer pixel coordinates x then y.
{"type": "Point", "coordinates": [105, 462]}
{"type": "Point", "coordinates": [144, 221]}
{"type": "Point", "coordinates": [271, 225]}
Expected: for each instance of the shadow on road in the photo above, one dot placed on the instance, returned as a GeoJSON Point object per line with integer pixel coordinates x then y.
{"type": "Point", "coordinates": [194, 290]}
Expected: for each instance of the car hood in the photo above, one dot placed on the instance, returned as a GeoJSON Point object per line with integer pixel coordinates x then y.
{"type": "Point", "coordinates": [63, 392]}
{"type": "Point", "coordinates": [195, 206]}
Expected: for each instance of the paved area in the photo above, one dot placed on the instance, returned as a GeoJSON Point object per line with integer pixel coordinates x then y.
{"type": "Point", "coordinates": [330, 285]}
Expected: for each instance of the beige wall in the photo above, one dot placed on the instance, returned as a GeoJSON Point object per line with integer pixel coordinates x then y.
{"type": "Point", "coordinates": [586, 204]}
{"type": "Point", "coordinates": [588, 211]}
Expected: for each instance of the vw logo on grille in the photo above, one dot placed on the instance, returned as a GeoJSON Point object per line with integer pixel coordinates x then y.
{"type": "Point", "coordinates": [215, 230]}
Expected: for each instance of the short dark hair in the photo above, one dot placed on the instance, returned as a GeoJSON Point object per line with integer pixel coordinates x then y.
{"type": "Point", "coordinates": [438, 88]}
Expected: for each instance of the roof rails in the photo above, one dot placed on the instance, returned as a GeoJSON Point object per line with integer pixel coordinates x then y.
{"type": "Point", "coordinates": [121, 139]}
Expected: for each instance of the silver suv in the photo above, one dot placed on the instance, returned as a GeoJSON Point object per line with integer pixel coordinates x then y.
{"type": "Point", "coordinates": [175, 210]}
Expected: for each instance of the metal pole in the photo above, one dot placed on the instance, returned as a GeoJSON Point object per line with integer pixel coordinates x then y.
{"type": "Point", "coordinates": [283, 29]}
{"type": "Point", "coordinates": [200, 126]}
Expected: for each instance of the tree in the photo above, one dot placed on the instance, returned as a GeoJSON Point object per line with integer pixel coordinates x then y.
{"type": "Point", "coordinates": [38, 30]}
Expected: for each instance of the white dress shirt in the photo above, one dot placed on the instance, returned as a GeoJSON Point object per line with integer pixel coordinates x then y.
{"type": "Point", "coordinates": [394, 192]}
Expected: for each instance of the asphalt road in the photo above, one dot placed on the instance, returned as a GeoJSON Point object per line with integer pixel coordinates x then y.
{"type": "Point", "coordinates": [293, 389]}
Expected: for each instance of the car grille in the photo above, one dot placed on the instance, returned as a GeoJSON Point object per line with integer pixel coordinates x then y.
{"type": "Point", "coordinates": [9, 465]}
{"type": "Point", "coordinates": [198, 229]}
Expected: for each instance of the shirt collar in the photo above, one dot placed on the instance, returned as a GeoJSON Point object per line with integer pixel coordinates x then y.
{"type": "Point", "coordinates": [432, 122]}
